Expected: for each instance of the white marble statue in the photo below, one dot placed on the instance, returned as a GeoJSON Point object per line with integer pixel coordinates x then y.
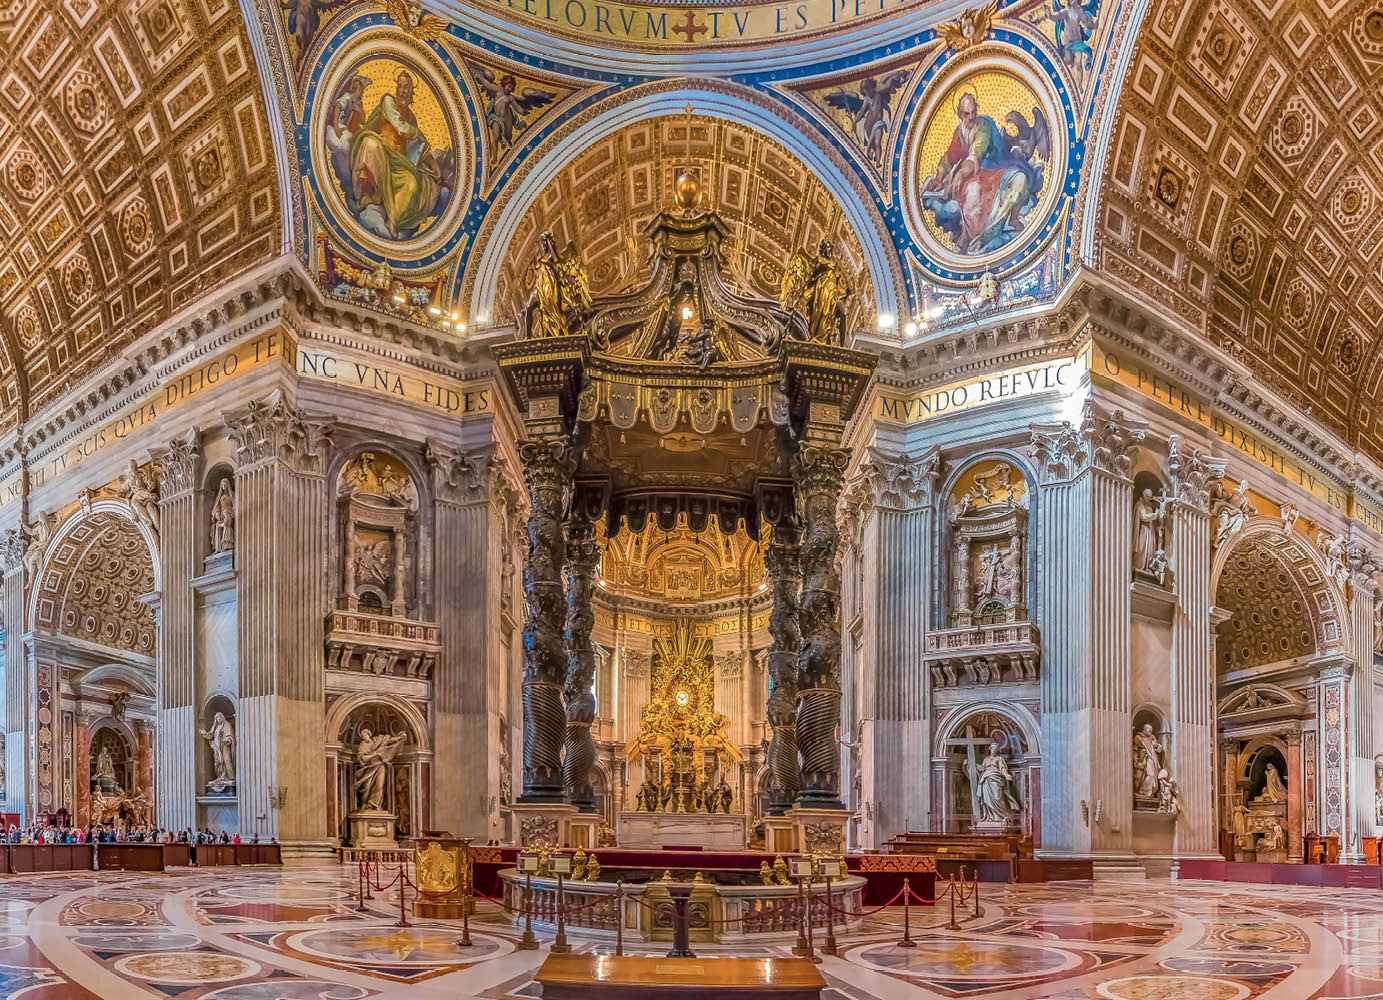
{"type": "Point", "coordinates": [1230, 511]}
{"type": "Point", "coordinates": [1149, 522]}
{"type": "Point", "coordinates": [105, 768]}
{"type": "Point", "coordinates": [373, 755]}
{"type": "Point", "coordinates": [221, 736]}
{"type": "Point", "coordinates": [995, 796]}
{"type": "Point", "coordinates": [1273, 788]}
{"type": "Point", "coordinates": [1168, 795]}
{"type": "Point", "coordinates": [1147, 761]}
{"type": "Point", "coordinates": [223, 518]}
{"type": "Point", "coordinates": [1273, 839]}
{"type": "Point", "coordinates": [142, 490]}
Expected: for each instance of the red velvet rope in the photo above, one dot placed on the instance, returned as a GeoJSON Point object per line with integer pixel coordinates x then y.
{"type": "Point", "coordinates": [882, 906]}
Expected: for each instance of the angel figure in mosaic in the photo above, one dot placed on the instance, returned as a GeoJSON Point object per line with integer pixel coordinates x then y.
{"type": "Point", "coordinates": [1072, 24]}
{"type": "Point", "coordinates": [408, 15]}
{"type": "Point", "coordinates": [868, 110]}
{"type": "Point", "coordinates": [819, 291]}
{"type": "Point", "coordinates": [508, 106]}
{"type": "Point", "coordinates": [560, 301]}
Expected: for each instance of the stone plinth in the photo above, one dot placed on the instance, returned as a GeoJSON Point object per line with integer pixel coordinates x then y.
{"type": "Point", "coordinates": [543, 824]}
{"type": "Point", "coordinates": [819, 831]}
{"type": "Point", "coordinates": [656, 830]}
{"type": "Point", "coordinates": [372, 829]}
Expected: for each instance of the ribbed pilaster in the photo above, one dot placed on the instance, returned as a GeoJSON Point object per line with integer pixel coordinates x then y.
{"type": "Point", "coordinates": [469, 661]}
{"type": "Point", "coordinates": [1111, 570]}
{"type": "Point", "coordinates": [902, 563]}
{"type": "Point", "coordinates": [175, 780]}
{"type": "Point", "coordinates": [1363, 809]}
{"type": "Point", "coordinates": [1193, 683]}
{"type": "Point", "coordinates": [18, 697]}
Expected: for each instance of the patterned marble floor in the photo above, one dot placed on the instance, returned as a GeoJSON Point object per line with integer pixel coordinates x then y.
{"type": "Point", "coordinates": [292, 934]}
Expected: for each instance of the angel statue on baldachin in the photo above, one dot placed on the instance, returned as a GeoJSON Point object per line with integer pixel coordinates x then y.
{"type": "Point", "coordinates": [819, 291]}
{"type": "Point", "coordinates": [560, 300]}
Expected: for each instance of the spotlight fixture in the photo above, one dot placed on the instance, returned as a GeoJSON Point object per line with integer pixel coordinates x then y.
{"type": "Point", "coordinates": [885, 321]}
{"type": "Point", "coordinates": [910, 329]}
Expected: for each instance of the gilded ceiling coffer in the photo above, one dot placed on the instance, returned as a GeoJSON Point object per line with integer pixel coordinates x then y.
{"type": "Point", "coordinates": [782, 566]}
{"type": "Point", "coordinates": [583, 553]}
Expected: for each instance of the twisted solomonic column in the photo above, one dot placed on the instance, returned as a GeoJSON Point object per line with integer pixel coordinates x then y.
{"type": "Point", "coordinates": [781, 557]}
{"type": "Point", "coordinates": [547, 469]}
{"type": "Point", "coordinates": [818, 475]}
{"type": "Point", "coordinates": [579, 758]}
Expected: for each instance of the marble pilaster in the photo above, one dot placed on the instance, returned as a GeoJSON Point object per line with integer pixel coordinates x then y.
{"type": "Point", "coordinates": [1363, 818]}
{"type": "Point", "coordinates": [176, 690]}
{"type": "Point", "coordinates": [471, 490]}
{"type": "Point", "coordinates": [1192, 717]}
{"type": "Point", "coordinates": [889, 509]}
{"type": "Point", "coordinates": [1084, 515]}
{"type": "Point", "coordinates": [280, 549]}
{"type": "Point", "coordinates": [18, 692]}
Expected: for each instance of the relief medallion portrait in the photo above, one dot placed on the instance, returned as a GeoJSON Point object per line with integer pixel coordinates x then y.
{"type": "Point", "coordinates": [390, 151]}
{"type": "Point", "coordinates": [987, 158]}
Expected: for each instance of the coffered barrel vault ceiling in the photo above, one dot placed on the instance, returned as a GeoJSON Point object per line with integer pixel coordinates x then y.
{"type": "Point", "coordinates": [136, 173]}
{"type": "Point", "coordinates": [601, 202]}
{"type": "Point", "coordinates": [1242, 193]}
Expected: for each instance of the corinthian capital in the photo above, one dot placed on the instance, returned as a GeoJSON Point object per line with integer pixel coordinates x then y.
{"type": "Point", "coordinates": [276, 429]}
{"type": "Point", "coordinates": [467, 476]}
{"type": "Point", "coordinates": [179, 464]}
{"type": "Point", "coordinates": [1191, 473]}
{"type": "Point", "coordinates": [1105, 440]}
{"type": "Point", "coordinates": [896, 482]}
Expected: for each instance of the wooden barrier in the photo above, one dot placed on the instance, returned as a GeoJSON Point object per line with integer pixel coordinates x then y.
{"type": "Point", "coordinates": [130, 857]}
{"type": "Point", "coordinates": [609, 977]}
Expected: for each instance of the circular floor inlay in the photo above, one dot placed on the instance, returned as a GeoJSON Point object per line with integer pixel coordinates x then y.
{"type": "Point", "coordinates": [396, 945]}
{"type": "Point", "coordinates": [187, 967]}
{"type": "Point", "coordinates": [1171, 988]}
{"type": "Point", "coordinates": [948, 958]}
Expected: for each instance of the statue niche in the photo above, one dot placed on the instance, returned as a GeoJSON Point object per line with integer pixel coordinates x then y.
{"type": "Point", "coordinates": [988, 515]}
{"type": "Point", "coordinates": [378, 512]}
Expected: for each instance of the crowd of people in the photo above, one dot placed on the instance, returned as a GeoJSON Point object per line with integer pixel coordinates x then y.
{"type": "Point", "coordinates": [109, 834]}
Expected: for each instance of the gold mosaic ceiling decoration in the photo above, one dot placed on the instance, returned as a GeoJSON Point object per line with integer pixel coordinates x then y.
{"type": "Point", "coordinates": [682, 565]}
{"type": "Point", "coordinates": [1242, 192]}
{"type": "Point", "coordinates": [136, 173]}
{"type": "Point", "coordinates": [603, 199]}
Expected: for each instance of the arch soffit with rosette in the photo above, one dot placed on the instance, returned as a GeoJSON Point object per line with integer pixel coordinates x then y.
{"type": "Point", "coordinates": [1306, 567]}
{"type": "Point", "coordinates": [341, 710]}
{"type": "Point", "coordinates": [1018, 714]}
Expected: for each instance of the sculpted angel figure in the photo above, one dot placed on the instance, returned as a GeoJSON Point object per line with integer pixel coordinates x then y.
{"type": "Point", "coordinates": [1229, 510]}
{"type": "Point", "coordinates": [819, 291]}
{"type": "Point", "coordinates": [221, 736]}
{"type": "Point", "coordinates": [561, 295]}
{"type": "Point", "coordinates": [223, 518]}
{"type": "Point", "coordinates": [373, 755]}
{"type": "Point", "coordinates": [39, 534]}
{"type": "Point", "coordinates": [141, 489]}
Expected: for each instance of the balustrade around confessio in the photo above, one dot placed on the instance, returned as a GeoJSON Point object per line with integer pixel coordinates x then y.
{"type": "Point", "coordinates": [719, 913]}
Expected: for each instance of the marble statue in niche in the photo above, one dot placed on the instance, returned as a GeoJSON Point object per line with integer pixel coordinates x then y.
{"type": "Point", "coordinates": [1274, 789]}
{"type": "Point", "coordinates": [223, 518]}
{"type": "Point", "coordinates": [1229, 511]}
{"type": "Point", "coordinates": [220, 736]}
{"type": "Point", "coordinates": [1378, 786]}
{"type": "Point", "coordinates": [1168, 795]}
{"type": "Point", "coordinates": [378, 504]}
{"type": "Point", "coordinates": [1148, 760]}
{"type": "Point", "coordinates": [1150, 533]}
{"type": "Point", "coordinates": [996, 792]}
{"type": "Point", "coordinates": [373, 755]}
{"type": "Point", "coordinates": [105, 771]}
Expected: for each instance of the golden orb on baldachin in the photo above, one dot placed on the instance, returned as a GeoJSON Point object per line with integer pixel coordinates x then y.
{"type": "Point", "coordinates": [687, 190]}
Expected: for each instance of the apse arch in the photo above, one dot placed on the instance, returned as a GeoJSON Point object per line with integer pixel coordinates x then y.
{"type": "Point", "coordinates": [731, 104]}
{"type": "Point", "coordinates": [341, 710]}
{"type": "Point", "coordinates": [1279, 596]}
{"type": "Point", "coordinates": [60, 602]}
{"type": "Point", "coordinates": [949, 726]}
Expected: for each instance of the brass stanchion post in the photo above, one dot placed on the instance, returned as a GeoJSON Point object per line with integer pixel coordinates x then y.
{"type": "Point", "coordinates": [528, 942]}
{"type": "Point", "coordinates": [977, 890]}
{"type": "Point", "coordinates": [619, 917]}
{"type": "Point", "coordinates": [951, 888]}
{"type": "Point", "coordinates": [907, 941]}
{"type": "Point", "coordinates": [801, 948]}
{"type": "Point", "coordinates": [403, 910]}
{"type": "Point", "coordinates": [360, 871]}
{"type": "Point", "coordinates": [559, 944]}
{"type": "Point", "coordinates": [829, 946]}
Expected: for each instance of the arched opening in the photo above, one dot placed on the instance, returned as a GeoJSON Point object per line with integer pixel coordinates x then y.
{"type": "Point", "coordinates": [1278, 630]}
{"type": "Point", "coordinates": [380, 758]}
{"type": "Point", "coordinates": [95, 647]}
{"type": "Point", "coordinates": [986, 774]}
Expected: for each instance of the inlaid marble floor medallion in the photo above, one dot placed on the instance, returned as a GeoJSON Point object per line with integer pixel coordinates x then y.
{"type": "Point", "coordinates": [295, 934]}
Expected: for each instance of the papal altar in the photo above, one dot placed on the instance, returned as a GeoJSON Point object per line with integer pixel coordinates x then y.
{"type": "Point", "coordinates": [658, 830]}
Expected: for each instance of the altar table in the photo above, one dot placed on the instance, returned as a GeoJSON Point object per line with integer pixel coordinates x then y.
{"type": "Point", "coordinates": [580, 977]}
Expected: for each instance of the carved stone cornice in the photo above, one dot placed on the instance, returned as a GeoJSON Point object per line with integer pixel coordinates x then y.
{"type": "Point", "coordinates": [1105, 440]}
{"type": "Point", "coordinates": [272, 428]}
{"type": "Point", "coordinates": [179, 465]}
{"type": "Point", "coordinates": [1191, 473]}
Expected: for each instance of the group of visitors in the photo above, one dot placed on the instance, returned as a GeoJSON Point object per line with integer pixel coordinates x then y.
{"type": "Point", "coordinates": [109, 834]}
